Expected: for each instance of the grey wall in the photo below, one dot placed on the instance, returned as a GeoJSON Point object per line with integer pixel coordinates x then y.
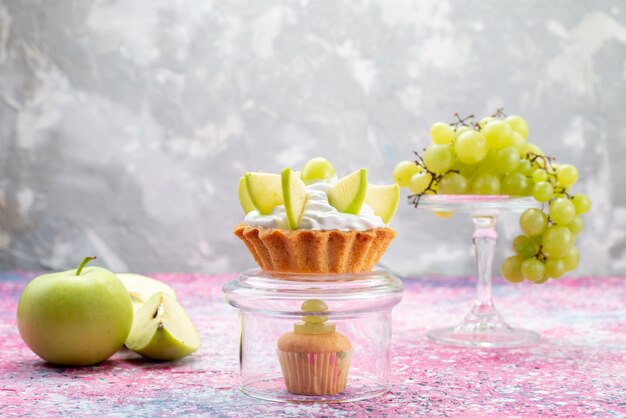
{"type": "Point", "coordinates": [125, 125]}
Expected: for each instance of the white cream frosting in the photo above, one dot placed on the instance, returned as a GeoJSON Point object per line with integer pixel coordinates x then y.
{"type": "Point", "coordinates": [318, 214]}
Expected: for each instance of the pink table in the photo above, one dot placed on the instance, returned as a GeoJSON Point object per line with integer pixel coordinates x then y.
{"type": "Point", "coordinates": [578, 369]}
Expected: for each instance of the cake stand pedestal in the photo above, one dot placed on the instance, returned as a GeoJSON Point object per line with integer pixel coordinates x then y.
{"type": "Point", "coordinates": [483, 326]}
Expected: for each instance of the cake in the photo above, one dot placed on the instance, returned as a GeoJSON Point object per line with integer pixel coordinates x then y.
{"type": "Point", "coordinates": [310, 222]}
{"type": "Point", "coordinates": [314, 357]}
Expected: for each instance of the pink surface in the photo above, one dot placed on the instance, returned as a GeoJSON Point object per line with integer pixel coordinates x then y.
{"type": "Point", "coordinates": [578, 369]}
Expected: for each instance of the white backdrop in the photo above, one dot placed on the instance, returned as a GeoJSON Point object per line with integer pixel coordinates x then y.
{"type": "Point", "coordinates": [125, 125]}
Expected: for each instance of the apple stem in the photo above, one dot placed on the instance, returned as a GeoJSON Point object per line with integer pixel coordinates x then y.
{"type": "Point", "coordinates": [83, 264]}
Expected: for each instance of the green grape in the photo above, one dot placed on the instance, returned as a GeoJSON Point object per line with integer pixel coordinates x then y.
{"type": "Point", "coordinates": [314, 305]}
{"type": "Point", "coordinates": [533, 270]}
{"type": "Point", "coordinates": [557, 241]}
{"type": "Point", "coordinates": [550, 169]}
{"type": "Point", "coordinates": [562, 211]}
{"type": "Point", "coordinates": [566, 175]}
{"type": "Point", "coordinates": [452, 183]}
{"type": "Point", "coordinates": [533, 222]}
{"type": "Point", "coordinates": [441, 133]}
{"type": "Point", "coordinates": [555, 267]}
{"type": "Point", "coordinates": [420, 182]}
{"type": "Point", "coordinates": [489, 163]}
{"type": "Point", "coordinates": [581, 203]}
{"type": "Point", "coordinates": [543, 279]}
{"type": "Point", "coordinates": [531, 148]}
{"type": "Point", "coordinates": [317, 169]}
{"type": "Point", "coordinates": [525, 167]}
{"type": "Point", "coordinates": [528, 191]}
{"type": "Point", "coordinates": [537, 240]}
{"type": "Point", "coordinates": [515, 184]}
{"type": "Point", "coordinates": [576, 226]}
{"type": "Point", "coordinates": [466, 170]}
{"type": "Point", "coordinates": [484, 121]}
{"type": "Point", "coordinates": [525, 247]}
{"type": "Point", "coordinates": [571, 259]}
{"type": "Point", "coordinates": [485, 183]}
{"type": "Point", "coordinates": [540, 175]}
{"type": "Point", "coordinates": [518, 141]}
{"type": "Point", "coordinates": [511, 269]}
{"type": "Point", "coordinates": [459, 130]}
{"type": "Point", "coordinates": [507, 160]}
{"type": "Point", "coordinates": [498, 134]}
{"type": "Point", "coordinates": [518, 124]}
{"type": "Point", "coordinates": [404, 171]}
{"type": "Point", "coordinates": [543, 191]}
{"type": "Point", "coordinates": [439, 158]}
{"type": "Point", "coordinates": [470, 147]}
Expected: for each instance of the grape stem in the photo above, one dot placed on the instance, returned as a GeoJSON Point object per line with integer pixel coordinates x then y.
{"type": "Point", "coordinates": [467, 120]}
{"type": "Point", "coordinates": [434, 179]}
{"type": "Point", "coordinates": [540, 255]}
{"type": "Point", "coordinates": [462, 121]}
{"type": "Point", "coordinates": [499, 113]}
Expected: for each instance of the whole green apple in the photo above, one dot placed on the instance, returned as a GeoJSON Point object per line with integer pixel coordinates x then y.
{"type": "Point", "coordinates": [77, 317]}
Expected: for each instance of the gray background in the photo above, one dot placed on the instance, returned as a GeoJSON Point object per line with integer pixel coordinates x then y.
{"type": "Point", "coordinates": [125, 125]}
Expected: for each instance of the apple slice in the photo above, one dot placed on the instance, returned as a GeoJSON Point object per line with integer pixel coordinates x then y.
{"type": "Point", "coordinates": [294, 193]}
{"type": "Point", "coordinates": [141, 288]}
{"type": "Point", "coordinates": [384, 200]}
{"type": "Point", "coordinates": [162, 330]}
{"type": "Point", "coordinates": [244, 197]}
{"type": "Point", "coordinates": [348, 194]}
{"type": "Point", "coordinates": [265, 191]}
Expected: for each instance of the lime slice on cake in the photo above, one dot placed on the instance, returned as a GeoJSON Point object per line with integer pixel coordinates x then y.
{"type": "Point", "coordinates": [348, 194]}
{"type": "Point", "coordinates": [384, 200]}
{"type": "Point", "coordinates": [162, 330]}
{"type": "Point", "coordinates": [294, 195]}
{"type": "Point", "coordinates": [265, 191]}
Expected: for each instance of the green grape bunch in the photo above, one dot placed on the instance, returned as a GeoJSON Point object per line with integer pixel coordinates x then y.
{"type": "Point", "coordinates": [493, 157]}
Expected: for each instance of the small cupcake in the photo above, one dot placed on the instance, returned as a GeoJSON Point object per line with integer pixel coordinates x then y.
{"type": "Point", "coordinates": [310, 222]}
{"type": "Point", "coordinates": [314, 358]}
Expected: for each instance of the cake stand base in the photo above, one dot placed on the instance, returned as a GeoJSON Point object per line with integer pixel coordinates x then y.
{"type": "Point", "coordinates": [483, 327]}
{"type": "Point", "coordinates": [483, 331]}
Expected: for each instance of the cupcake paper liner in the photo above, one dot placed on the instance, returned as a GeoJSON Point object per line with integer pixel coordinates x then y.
{"type": "Point", "coordinates": [313, 251]}
{"type": "Point", "coordinates": [315, 373]}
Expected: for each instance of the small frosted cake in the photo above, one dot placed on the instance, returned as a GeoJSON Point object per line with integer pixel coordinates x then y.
{"type": "Point", "coordinates": [314, 358]}
{"type": "Point", "coordinates": [310, 222]}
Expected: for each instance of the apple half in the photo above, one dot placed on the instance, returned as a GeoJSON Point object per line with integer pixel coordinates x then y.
{"type": "Point", "coordinates": [162, 330]}
{"type": "Point", "coordinates": [348, 194]}
{"type": "Point", "coordinates": [141, 288]}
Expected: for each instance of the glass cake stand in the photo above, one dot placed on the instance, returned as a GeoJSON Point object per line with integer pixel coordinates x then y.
{"type": "Point", "coordinates": [483, 326]}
